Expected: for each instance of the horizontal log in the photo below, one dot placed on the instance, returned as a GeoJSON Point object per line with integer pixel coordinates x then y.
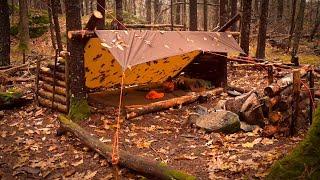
{"type": "Point", "coordinates": [58, 89]}
{"type": "Point", "coordinates": [49, 72]}
{"type": "Point", "coordinates": [48, 103]}
{"type": "Point", "coordinates": [146, 167]}
{"type": "Point", "coordinates": [280, 85]}
{"type": "Point", "coordinates": [49, 80]}
{"type": "Point", "coordinates": [59, 68]}
{"type": "Point", "coordinates": [133, 112]}
{"type": "Point", "coordinates": [81, 34]}
{"type": "Point", "coordinates": [49, 95]}
{"type": "Point", "coordinates": [152, 26]}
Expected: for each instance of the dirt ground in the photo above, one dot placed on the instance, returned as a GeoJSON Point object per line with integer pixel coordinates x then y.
{"type": "Point", "coordinates": [30, 149]}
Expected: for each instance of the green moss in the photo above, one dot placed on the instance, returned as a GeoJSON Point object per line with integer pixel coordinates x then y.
{"type": "Point", "coordinates": [10, 95]}
{"type": "Point", "coordinates": [304, 161]}
{"type": "Point", "coordinates": [79, 110]}
{"type": "Point", "coordinates": [175, 174]}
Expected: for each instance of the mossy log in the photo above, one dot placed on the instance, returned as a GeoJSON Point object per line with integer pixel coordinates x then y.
{"type": "Point", "coordinates": [49, 80]}
{"type": "Point", "coordinates": [304, 161]}
{"type": "Point", "coordinates": [48, 103]}
{"type": "Point", "coordinates": [135, 111]}
{"type": "Point", "coordinates": [148, 168]}
{"type": "Point", "coordinates": [11, 99]}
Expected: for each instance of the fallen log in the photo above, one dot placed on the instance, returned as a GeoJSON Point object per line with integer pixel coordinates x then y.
{"type": "Point", "coordinates": [48, 103]}
{"type": "Point", "coordinates": [133, 112]}
{"type": "Point", "coordinates": [277, 87]}
{"type": "Point", "coordinates": [239, 89]}
{"type": "Point", "coordinates": [149, 168]}
{"type": "Point", "coordinates": [12, 99]}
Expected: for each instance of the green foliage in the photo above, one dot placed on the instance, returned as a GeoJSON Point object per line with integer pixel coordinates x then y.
{"type": "Point", "coordinates": [10, 95]}
{"type": "Point", "coordinates": [304, 161]}
{"type": "Point", "coordinates": [38, 25]}
{"type": "Point", "coordinates": [79, 109]}
{"type": "Point", "coordinates": [128, 18]}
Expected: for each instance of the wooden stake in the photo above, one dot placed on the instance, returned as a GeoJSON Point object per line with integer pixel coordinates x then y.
{"type": "Point", "coordinates": [54, 78]}
{"type": "Point", "coordinates": [37, 82]}
{"type": "Point", "coordinates": [311, 88]}
{"type": "Point", "coordinates": [270, 74]}
{"type": "Point", "coordinates": [295, 102]}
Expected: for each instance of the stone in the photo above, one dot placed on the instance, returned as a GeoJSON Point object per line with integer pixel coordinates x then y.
{"type": "Point", "coordinates": [201, 110]}
{"type": "Point", "coordinates": [219, 121]}
{"type": "Point", "coordinates": [247, 127]}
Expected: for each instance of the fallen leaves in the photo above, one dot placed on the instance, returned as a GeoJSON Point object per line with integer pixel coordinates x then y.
{"type": "Point", "coordinates": [77, 163]}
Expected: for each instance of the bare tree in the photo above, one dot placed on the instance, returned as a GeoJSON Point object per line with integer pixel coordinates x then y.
{"type": "Point", "coordinates": [24, 28]}
{"type": "Point", "coordinates": [76, 63]}
{"type": "Point", "coordinates": [193, 18]}
{"type": "Point", "coordinates": [157, 11]}
{"type": "Point", "coordinates": [234, 11]}
{"type": "Point", "coordinates": [4, 33]}
{"type": "Point", "coordinates": [51, 28]}
{"type": "Point", "coordinates": [101, 6]}
{"type": "Point", "coordinates": [261, 46]}
{"type": "Point", "coordinates": [119, 10]}
{"type": "Point", "coordinates": [317, 22]}
{"type": "Point", "coordinates": [148, 8]}
{"type": "Point", "coordinates": [298, 32]}
{"type": "Point", "coordinates": [178, 12]}
{"type": "Point", "coordinates": [205, 15]}
{"type": "Point", "coordinates": [292, 24]}
{"type": "Point", "coordinates": [223, 16]}
{"type": "Point", "coordinates": [280, 9]}
{"type": "Point", "coordinates": [54, 6]}
{"type": "Point", "coordinates": [245, 25]}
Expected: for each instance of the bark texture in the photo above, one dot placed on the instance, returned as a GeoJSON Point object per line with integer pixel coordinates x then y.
{"type": "Point", "coordinates": [101, 6]}
{"type": "Point", "coordinates": [245, 25]}
{"type": "Point", "coordinates": [4, 33]}
{"type": "Point", "coordinates": [263, 25]}
{"type": "Point", "coordinates": [148, 9]}
{"type": "Point", "coordinates": [79, 108]}
{"type": "Point", "coordinates": [193, 17]}
{"type": "Point", "coordinates": [24, 26]}
{"type": "Point", "coordinates": [54, 5]}
{"type": "Point", "coordinates": [223, 16]}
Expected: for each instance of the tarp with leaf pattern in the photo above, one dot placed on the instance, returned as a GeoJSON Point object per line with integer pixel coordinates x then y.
{"type": "Point", "coordinates": [147, 56]}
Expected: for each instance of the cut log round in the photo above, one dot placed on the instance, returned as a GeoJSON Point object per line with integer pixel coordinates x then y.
{"type": "Point", "coordinates": [149, 168]}
{"type": "Point", "coordinates": [277, 87]}
{"type": "Point", "coordinates": [49, 72]}
{"type": "Point", "coordinates": [161, 105]}
{"type": "Point", "coordinates": [94, 20]}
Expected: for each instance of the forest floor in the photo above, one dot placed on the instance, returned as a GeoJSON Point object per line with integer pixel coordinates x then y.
{"type": "Point", "coordinates": [29, 148]}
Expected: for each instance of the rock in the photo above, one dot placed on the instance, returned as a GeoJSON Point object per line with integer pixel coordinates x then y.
{"type": "Point", "coordinates": [201, 110]}
{"type": "Point", "coordinates": [247, 127]}
{"type": "Point", "coordinates": [219, 121]}
{"type": "Point", "coordinates": [191, 120]}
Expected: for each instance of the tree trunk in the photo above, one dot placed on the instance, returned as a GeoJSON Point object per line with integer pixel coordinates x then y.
{"type": "Point", "coordinates": [148, 8]}
{"type": "Point", "coordinates": [292, 24]}
{"type": "Point", "coordinates": [119, 10]}
{"type": "Point", "coordinates": [263, 26]}
{"type": "Point", "coordinates": [157, 10]}
{"type": "Point", "coordinates": [52, 35]}
{"type": "Point", "coordinates": [101, 6]}
{"type": "Point", "coordinates": [234, 11]}
{"type": "Point", "coordinates": [205, 15]}
{"type": "Point", "coordinates": [178, 12]}
{"type": "Point", "coordinates": [245, 25]}
{"type": "Point", "coordinates": [193, 17]}
{"type": "Point", "coordinates": [280, 10]}
{"type": "Point", "coordinates": [79, 108]}
{"type": "Point", "coordinates": [149, 168]}
{"type": "Point", "coordinates": [86, 2]}
{"type": "Point", "coordinates": [298, 32]}
{"type": "Point", "coordinates": [317, 22]}
{"type": "Point", "coordinates": [54, 5]}
{"type": "Point", "coordinates": [256, 8]}
{"type": "Point", "coordinates": [4, 33]}
{"type": "Point", "coordinates": [24, 27]}
{"type": "Point", "coordinates": [223, 16]}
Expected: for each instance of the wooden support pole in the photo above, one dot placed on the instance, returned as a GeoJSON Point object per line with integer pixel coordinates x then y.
{"type": "Point", "coordinates": [311, 88]}
{"type": "Point", "coordinates": [230, 23]}
{"type": "Point", "coordinates": [54, 77]}
{"type": "Point", "coordinates": [37, 82]}
{"type": "Point", "coordinates": [270, 74]}
{"type": "Point", "coordinates": [67, 80]}
{"type": "Point", "coordinates": [94, 20]}
{"type": "Point", "coordinates": [146, 167]}
{"type": "Point", "coordinates": [295, 102]}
